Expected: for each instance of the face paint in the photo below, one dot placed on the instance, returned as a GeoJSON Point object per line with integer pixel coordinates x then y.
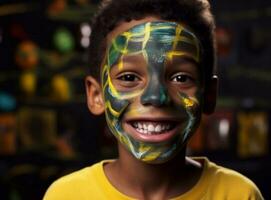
{"type": "Point", "coordinates": [157, 42]}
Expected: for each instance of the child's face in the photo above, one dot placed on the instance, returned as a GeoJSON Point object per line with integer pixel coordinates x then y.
{"type": "Point", "coordinates": [152, 88]}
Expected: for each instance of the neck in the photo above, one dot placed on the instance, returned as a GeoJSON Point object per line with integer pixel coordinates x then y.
{"type": "Point", "coordinates": [149, 173]}
{"type": "Point", "coordinates": [142, 180]}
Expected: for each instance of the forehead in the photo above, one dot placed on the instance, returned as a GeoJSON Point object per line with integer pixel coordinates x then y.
{"type": "Point", "coordinates": [155, 38]}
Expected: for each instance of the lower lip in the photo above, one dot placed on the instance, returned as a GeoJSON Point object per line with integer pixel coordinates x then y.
{"type": "Point", "coordinates": [155, 138]}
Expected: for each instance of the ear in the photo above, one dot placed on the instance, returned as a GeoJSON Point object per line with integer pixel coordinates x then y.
{"type": "Point", "coordinates": [210, 95]}
{"type": "Point", "coordinates": [94, 94]}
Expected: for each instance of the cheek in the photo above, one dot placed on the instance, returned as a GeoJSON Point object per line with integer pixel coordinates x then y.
{"type": "Point", "coordinates": [116, 105]}
{"type": "Point", "coordinates": [113, 104]}
{"type": "Point", "coordinates": [117, 102]}
{"type": "Point", "coordinates": [190, 104]}
{"type": "Point", "coordinates": [177, 94]}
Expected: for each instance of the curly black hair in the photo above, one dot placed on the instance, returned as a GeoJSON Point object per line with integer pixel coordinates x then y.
{"type": "Point", "coordinates": [195, 13]}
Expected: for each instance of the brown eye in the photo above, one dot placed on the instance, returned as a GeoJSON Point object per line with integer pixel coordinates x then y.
{"type": "Point", "coordinates": [181, 78]}
{"type": "Point", "coordinates": [127, 81]}
{"type": "Point", "coordinates": [128, 77]}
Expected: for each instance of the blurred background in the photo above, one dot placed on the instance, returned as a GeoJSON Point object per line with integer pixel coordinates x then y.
{"type": "Point", "coordinates": [46, 130]}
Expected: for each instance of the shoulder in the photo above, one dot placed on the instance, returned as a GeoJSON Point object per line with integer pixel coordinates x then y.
{"type": "Point", "coordinates": [227, 175]}
{"type": "Point", "coordinates": [81, 175]}
{"type": "Point", "coordinates": [81, 180]}
{"type": "Point", "coordinates": [229, 182]}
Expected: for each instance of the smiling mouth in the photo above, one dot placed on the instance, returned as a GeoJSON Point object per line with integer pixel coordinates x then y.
{"type": "Point", "coordinates": [153, 128]}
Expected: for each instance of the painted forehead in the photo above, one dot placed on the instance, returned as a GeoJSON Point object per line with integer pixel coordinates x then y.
{"type": "Point", "coordinates": [168, 38]}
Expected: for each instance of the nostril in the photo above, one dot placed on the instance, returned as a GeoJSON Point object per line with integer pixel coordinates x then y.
{"type": "Point", "coordinates": [151, 100]}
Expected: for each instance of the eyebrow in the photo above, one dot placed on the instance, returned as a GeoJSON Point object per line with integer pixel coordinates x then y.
{"type": "Point", "coordinates": [130, 59]}
{"type": "Point", "coordinates": [182, 60]}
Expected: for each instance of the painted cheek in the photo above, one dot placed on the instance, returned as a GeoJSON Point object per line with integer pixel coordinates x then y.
{"type": "Point", "coordinates": [114, 106]}
{"type": "Point", "coordinates": [188, 102]}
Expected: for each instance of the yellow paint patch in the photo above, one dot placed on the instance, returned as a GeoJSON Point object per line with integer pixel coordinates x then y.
{"type": "Point", "coordinates": [147, 34]}
{"type": "Point", "coordinates": [112, 111]}
{"type": "Point", "coordinates": [188, 102]}
{"type": "Point", "coordinates": [151, 156]}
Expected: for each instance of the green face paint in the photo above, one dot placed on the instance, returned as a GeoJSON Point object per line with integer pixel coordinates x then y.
{"type": "Point", "coordinates": [158, 42]}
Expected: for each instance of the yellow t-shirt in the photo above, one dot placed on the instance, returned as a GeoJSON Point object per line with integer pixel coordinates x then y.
{"type": "Point", "coordinates": [215, 183]}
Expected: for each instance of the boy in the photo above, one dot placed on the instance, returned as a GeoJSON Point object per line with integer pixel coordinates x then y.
{"type": "Point", "coordinates": [154, 62]}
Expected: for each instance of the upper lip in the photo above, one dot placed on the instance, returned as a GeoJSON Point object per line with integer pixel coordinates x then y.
{"type": "Point", "coordinates": [153, 119]}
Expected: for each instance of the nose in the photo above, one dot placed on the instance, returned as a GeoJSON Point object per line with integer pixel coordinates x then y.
{"type": "Point", "coordinates": [155, 94]}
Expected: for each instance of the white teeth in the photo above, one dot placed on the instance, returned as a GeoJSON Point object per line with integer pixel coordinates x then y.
{"type": "Point", "coordinates": [145, 126]}
{"type": "Point", "coordinates": [158, 128]}
{"type": "Point", "coordinates": [150, 128]}
{"type": "Point", "coordinates": [140, 130]}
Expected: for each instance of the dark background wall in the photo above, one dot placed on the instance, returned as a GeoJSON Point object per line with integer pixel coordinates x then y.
{"type": "Point", "coordinates": [46, 130]}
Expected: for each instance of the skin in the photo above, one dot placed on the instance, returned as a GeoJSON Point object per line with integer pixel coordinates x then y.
{"type": "Point", "coordinates": [152, 92]}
